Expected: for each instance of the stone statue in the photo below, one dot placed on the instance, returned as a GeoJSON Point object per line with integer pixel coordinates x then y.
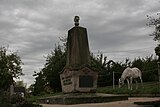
{"type": "Point", "coordinates": [77, 46]}
{"type": "Point", "coordinates": [157, 51]}
{"type": "Point", "coordinates": [76, 20]}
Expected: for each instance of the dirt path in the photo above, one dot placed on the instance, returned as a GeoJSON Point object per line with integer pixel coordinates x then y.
{"type": "Point", "coordinates": [127, 103]}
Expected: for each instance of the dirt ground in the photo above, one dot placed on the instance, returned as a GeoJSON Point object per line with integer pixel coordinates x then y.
{"type": "Point", "coordinates": [126, 103]}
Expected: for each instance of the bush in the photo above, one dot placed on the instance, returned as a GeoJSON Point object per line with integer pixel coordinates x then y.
{"type": "Point", "coordinates": [15, 101]}
{"type": "Point", "coordinates": [4, 99]}
{"type": "Point", "coordinates": [19, 101]}
{"type": "Point", "coordinates": [16, 98]}
{"type": "Point", "coordinates": [26, 104]}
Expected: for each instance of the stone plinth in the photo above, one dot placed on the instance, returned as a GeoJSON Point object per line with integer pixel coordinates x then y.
{"type": "Point", "coordinates": [82, 80]}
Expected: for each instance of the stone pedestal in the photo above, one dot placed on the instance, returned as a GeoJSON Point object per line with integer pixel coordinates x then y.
{"type": "Point", "coordinates": [82, 80]}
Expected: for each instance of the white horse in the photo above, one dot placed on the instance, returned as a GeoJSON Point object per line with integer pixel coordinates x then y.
{"type": "Point", "coordinates": [129, 74]}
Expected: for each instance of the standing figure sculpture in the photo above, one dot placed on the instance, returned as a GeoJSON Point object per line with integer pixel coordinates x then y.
{"type": "Point", "coordinates": [129, 74]}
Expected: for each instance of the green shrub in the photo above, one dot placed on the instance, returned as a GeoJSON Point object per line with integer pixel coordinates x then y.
{"type": "Point", "coordinates": [16, 98]}
{"type": "Point", "coordinates": [4, 99]}
{"type": "Point", "coordinates": [26, 104]}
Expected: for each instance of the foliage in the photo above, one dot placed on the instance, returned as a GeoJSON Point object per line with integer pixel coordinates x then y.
{"type": "Point", "coordinates": [18, 101]}
{"type": "Point", "coordinates": [15, 101]}
{"type": "Point", "coordinates": [4, 102]}
{"type": "Point", "coordinates": [99, 63]}
{"type": "Point", "coordinates": [148, 66]}
{"type": "Point", "coordinates": [30, 89]}
{"type": "Point", "coordinates": [10, 67]}
{"type": "Point", "coordinates": [20, 84]}
{"type": "Point", "coordinates": [54, 65]}
{"type": "Point", "coordinates": [156, 23]}
{"type": "Point", "coordinates": [39, 83]}
{"type": "Point", "coordinates": [28, 104]}
{"type": "Point", "coordinates": [49, 75]}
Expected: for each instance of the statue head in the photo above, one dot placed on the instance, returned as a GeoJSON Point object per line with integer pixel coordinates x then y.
{"type": "Point", "coordinates": [76, 20]}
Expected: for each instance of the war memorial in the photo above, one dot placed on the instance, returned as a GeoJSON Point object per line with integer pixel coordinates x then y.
{"type": "Point", "coordinates": [77, 76]}
{"type": "Point", "coordinates": [78, 80]}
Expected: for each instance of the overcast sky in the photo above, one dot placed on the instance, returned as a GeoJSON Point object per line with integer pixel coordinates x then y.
{"type": "Point", "coordinates": [116, 28]}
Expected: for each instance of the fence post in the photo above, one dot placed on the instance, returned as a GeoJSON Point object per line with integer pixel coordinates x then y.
{"type": "Point", "coordinates": [113, 81]}
{"type": "Point", "coordinates": [159, 72]}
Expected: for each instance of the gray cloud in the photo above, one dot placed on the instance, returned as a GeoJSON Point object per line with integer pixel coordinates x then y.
{"type": "Point", "coordinates": [116, 28]}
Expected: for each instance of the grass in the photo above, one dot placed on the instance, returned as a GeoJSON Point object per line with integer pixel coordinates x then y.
{"type": "Point", "coordinates": [34, 98]}
{"type": "Point", "coordinates": [149, 88]}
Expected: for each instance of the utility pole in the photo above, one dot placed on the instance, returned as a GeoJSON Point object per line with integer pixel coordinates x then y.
{"type": "Point", "coordinates": [113, 81]}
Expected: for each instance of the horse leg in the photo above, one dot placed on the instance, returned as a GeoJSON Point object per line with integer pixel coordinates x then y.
{"type": "Point", "coordinates": [131, 83]}
{"type": "Point", "coordinates": [119, 84]}
{"type": "Point", "coordinates": [141, 81]}
{"type": "Point", "coordinates": [128, 84]}
{"type": "Point", "coordinates": [136, 84]}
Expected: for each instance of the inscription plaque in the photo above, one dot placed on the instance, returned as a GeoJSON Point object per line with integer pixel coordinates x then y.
{"type": "Point", "coordinates": [67, 80]}
{"type": "Point", "coordinates": [85, 81]}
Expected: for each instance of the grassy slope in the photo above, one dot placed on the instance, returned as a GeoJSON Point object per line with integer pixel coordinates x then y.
{"type": "Point", "coordinates": [149, 88]}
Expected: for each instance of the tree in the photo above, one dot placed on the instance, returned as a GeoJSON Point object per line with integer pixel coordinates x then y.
{"type": "Point", "coordinates": [98, 63]}
{"type": "Point", "coordinates": [31, 88]}
{"type": "Point", "coordinates": [39, 83]}
{"type": "Point", "coordinates": [20, 84]}
{"type": "Point", "coordinates": [50, 74]}
{"type": "Point", "coordinates": [156, 23]}
{"type": "Point", "coordinates": [10, 67]}
{"type": "Point", "coordinates": [54, 65]}
{"type": "Point", "coordinates": [148, 66]}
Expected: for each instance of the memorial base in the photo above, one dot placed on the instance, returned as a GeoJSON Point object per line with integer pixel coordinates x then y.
{"type": "Point", "coordinates": [82, 80]}
{"type": "Point", "coordinates": [82, 98]}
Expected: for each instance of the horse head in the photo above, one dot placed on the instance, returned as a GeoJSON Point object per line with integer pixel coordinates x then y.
{"type": "Point", "coordinates": [121, 82]}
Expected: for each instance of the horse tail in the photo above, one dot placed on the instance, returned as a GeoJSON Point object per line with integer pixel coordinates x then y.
{"type": "Point", "coordinates": [140, 76]}
{"type": "Point", "coordinates": [139, 72]}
